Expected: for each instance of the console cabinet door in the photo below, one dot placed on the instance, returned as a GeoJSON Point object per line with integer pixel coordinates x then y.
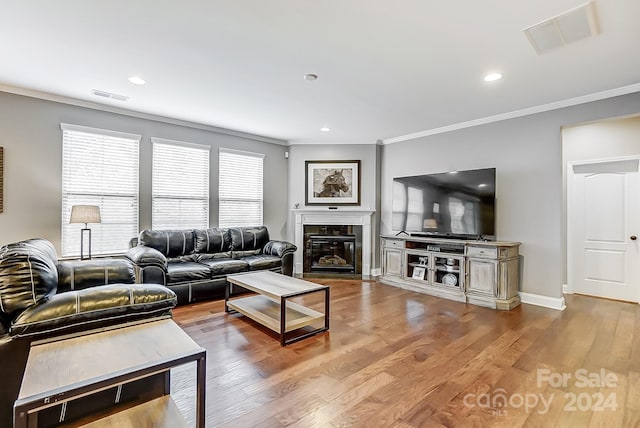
{"type": "Point", "coordinates": [482, 277]}
{"type": "Point", "coordinates": [391, 262]}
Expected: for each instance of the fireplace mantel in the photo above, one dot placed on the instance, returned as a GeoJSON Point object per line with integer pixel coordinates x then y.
{"type": "Point", "coordinates": [340, 216]}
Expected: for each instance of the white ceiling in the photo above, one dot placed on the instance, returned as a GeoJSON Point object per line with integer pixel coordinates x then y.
{"type": "Point", "coordinates": [387, 68]}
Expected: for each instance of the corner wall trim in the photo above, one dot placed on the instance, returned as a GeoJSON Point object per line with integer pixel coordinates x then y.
{"type": "Point", "coordinates": [556, 303]}
{"type": "Point", "coordinates": [376, 272]}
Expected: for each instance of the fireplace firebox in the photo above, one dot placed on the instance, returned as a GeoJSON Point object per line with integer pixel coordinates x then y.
{"type": "Point", "coordinates": [332, 250]}
{"type": "Point", "coordinates": [329, 253]}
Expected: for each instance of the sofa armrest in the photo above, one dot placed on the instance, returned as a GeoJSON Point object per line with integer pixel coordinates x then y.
{"type": "Point", "coordinates": [278, 248]}
{"type": "Point", "coordinates": [80, 274]}
{"type": "Point", "coordinates": [151, 265]}
{"type": "Point", "coordinates": [285, 251]}
{"type": "Point", "coordinates": [143, 256]}
{"type": "Point", "coordinates": [94, 307]}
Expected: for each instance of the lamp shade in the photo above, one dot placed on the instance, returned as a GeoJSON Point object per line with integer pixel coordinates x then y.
{"type": "Point", "coordinates": [85, 214]}
{"type": "Point", "coordinates": [430, 223]}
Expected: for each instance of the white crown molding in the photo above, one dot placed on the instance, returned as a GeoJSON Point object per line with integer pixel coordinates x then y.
{"type": "Point", "coordinates": [519, 113]}
{"type": "Point", "coordinates": [624, 90]}
{"type": "Point", "coordinates": [329, 143]}
{"type": "Point", "coordinates": [119, 110]}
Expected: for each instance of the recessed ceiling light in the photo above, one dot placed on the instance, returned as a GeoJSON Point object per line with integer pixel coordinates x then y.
{"type": "Point", "coordinates": [453, 172]}
{"type": "Point", "coordinates": [492, 77]}
{"type": "Point", "coordinates": [310, 77]}
{"type": "Point", "coordinates": [325, 129]}
{"type": "Point", "coordinates": [482, 185]}
{"type": "Point", "coordinates": [137, 80]}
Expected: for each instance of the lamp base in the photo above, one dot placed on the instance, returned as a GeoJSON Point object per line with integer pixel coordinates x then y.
{"type": "Point", "coordinates": [82, 232]}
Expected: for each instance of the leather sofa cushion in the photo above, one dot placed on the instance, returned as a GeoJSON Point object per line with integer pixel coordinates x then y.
{"type": "Point", "coordinates": [187, 271]}
{"type": "Point", "coordinates": [171, 243]}
{"type": "Point", "coordinates": [211, 256]}
{"type": "Point", "coordinates": [263, 261]}
{"type": "Point", "coordinates": [93, 307]}
{"type": "Point", "coordinates": [76, 275]}
{"type": "Point", "coordinates": [28, 274]}
{"type": "Point", "coordinates": [212, 240]}
{"type": "Point", "coordinates": [243, 254]}
{"type": "Point", "coordinates": [248, 238]}
{"type": "Point", "coordinates": [226, 266]}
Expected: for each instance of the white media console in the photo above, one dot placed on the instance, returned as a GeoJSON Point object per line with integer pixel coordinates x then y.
{"type": "Point", "coordinates": [483, 273]}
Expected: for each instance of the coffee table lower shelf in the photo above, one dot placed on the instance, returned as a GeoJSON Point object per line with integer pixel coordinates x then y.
{"type": "Point", "coordinates": [159, 413]}
{"type": "Point", "coordinates": [266, 311]}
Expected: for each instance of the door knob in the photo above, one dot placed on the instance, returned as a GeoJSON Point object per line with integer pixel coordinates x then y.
{"type": "Point", "coordinates": [633, 237]}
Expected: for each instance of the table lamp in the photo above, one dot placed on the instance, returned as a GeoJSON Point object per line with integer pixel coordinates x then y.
{"type": "Point", "coordinates": [85, 214]}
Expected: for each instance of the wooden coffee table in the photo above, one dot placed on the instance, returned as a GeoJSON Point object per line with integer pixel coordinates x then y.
{"type": "Point", "coordinates": [271, 306]}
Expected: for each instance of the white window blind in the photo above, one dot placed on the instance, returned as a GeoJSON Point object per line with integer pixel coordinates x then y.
{"type": "Point", "coordinates": [180, 188]}
{"type": "Point", "coordinates": [240, 189]}
{"type": "Point", "coordinates": [99, 167]}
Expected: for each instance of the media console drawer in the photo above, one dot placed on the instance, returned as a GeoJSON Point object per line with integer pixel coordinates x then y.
{"type": "Point", "coordinates": [482, 252]}
{"type": "Point", "coordinates": [393, 243]}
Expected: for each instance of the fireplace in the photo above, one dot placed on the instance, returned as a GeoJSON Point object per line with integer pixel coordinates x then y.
{"type": "Point", "coordinates": [329, 253]}
{"type": "Point", "coordinates": [339, 222]}
{"type": "Point", "coordinates": [335, 249]}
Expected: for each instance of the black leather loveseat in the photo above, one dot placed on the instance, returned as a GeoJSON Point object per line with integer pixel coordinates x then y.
{"type": "Point", "coordinates": [42, 299]}
{"type": "Point", "coordinates": [195, 263]}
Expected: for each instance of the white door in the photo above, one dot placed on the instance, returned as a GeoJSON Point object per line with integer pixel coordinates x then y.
{"type": "Point", "coordinates": [604, 226]}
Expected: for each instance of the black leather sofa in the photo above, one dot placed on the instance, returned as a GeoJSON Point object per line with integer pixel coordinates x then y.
{"type": "Point", "coordinates": [195, 263]}
{"type": "Point", "coordinates": [43, 299]}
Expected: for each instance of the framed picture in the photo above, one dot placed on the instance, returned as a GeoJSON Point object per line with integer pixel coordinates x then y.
{"type": "Point", "coordinates": [419, 272]}
{"type": "Point", "coordinates": [1, 179]}
{"type": "Point", "coordinates": [332, 182]}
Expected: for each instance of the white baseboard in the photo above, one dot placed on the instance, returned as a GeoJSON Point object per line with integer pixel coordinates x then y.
{"type": "Point", "coordinates": [376, 272]}
{"type": "Point", "coordinates": [544, 301]}
{"type": "Point", "coordinates": [566, 289]}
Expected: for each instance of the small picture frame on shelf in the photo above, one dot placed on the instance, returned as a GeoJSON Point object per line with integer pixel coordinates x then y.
{"type": "Point", "coordinates": [419, 272]}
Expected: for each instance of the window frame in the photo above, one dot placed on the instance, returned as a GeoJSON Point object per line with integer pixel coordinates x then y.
{"type": "Point", "coordinates": [157, 141]}
{"type": "Point", "coordinates": [222, 222]}
{"type": "Point", "coordinates": [67, 249]}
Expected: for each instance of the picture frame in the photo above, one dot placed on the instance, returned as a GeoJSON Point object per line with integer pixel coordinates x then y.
{"type": "Point", "coordinates": [1, 179]}
{"type": "Point", "coordinates": [419, 272]}
{"type": "Point", "coordinates": [332, 182]}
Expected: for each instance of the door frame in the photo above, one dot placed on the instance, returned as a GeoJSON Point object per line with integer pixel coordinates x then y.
{"type": "Point", "coordinates": [569, 200]}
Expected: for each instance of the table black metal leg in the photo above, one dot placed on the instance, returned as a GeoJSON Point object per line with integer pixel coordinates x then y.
{"type": "Point", "coordinates": [283, 321]}
{"type": "Point", "coordinates": [201, 390]}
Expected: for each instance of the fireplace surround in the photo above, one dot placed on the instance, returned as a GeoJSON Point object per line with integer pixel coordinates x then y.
{"type": "Point", "coordinates": [339, 217]}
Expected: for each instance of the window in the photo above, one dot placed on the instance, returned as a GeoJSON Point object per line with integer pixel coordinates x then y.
{"type": "Point", "coordinates": [100, 167]}
{"type": "Point", "coordinates": [240, 189]}
{"type": "Point", "coordinates": [180, 188]}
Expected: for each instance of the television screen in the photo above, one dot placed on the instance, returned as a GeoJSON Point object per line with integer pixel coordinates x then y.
{"type": "Point", "coordinates": [458, 204]}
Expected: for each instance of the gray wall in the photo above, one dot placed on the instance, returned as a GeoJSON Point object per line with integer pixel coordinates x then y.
{"type": "Point", "coordinates": [30, 133]}
{"type": "Point", "coordinates": [527, 153]}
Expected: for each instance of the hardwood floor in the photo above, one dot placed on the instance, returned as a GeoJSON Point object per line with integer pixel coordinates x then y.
{"type": "Point", "coordinates": [399, 358]}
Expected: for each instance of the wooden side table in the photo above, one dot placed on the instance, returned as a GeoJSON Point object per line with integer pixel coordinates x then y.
{"type": "Point", "coordinates": [59, 372]}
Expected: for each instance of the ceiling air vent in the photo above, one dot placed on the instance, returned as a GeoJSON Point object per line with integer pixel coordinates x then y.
{"type": "Point", "coordinates": [106, 94]}
{"type": "Point", "coordinates": [568, 27]}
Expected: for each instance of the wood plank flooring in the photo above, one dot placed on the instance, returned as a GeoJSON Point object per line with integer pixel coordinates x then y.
{"type": "Point", "coordinates": [403, 359]}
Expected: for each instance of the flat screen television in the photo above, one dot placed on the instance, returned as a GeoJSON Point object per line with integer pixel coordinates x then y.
{"type": "Point", "coordinates": [458, 204]}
